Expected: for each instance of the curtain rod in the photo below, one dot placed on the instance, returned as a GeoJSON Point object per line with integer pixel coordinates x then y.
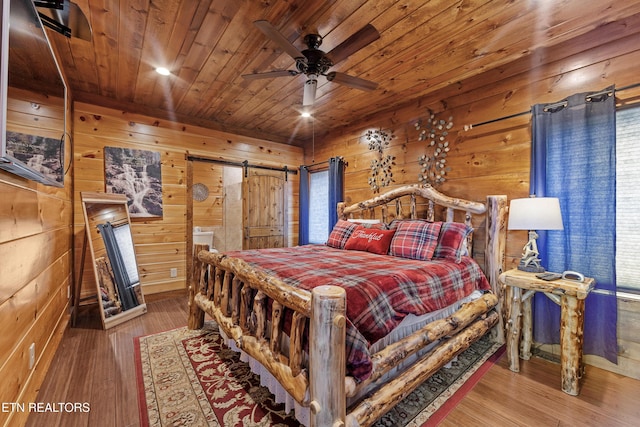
{"type": "Point", "coordinates": [314, 164]}
{"type": "Point", "coordinates": [245, 164]}
{"type": "Point", "coordinates": [522, 113]}
{"type": "Point", "coordinates": [326, 161]}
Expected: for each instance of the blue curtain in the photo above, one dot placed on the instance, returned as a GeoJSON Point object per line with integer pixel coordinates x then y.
{"type": "Point", "coordinates": [303, 209]}
{"type": "Point", "coordinates": [336, 188]}
{"type": "Point", "coordinates": [124, 280]}
{"type": "Point", "coordinates": [573, 158]}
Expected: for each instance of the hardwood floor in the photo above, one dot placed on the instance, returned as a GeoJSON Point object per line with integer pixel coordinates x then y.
{"type": "Point", "coordinates": [96, 366]}
{"type": "Point", "coordinates": [533, 397]}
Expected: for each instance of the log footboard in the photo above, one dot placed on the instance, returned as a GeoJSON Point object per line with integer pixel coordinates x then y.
{"type": "Point", "coordinates": [234, 295]}
{"type": "Point", "coordinates": [240, 310]}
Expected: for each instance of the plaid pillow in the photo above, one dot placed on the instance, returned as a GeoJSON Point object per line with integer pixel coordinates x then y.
{"type": "Point", "coordinates": [372, 240]}
{"type": "Point", "coordinates": [452, 240]}
{"type": "Point", "coordinates": [415, 239]}
{"type": "Point", "coordinates": [340, 234]}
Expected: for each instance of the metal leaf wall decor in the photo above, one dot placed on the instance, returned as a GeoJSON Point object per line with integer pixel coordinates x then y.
{"type": "Point", "coordinates": [381, 175]}
{"type": "Point", "coordinates": [433, 164]}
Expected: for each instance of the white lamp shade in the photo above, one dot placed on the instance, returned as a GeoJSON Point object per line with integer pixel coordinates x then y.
{"type": "Point", "coordinates": [535, 213]}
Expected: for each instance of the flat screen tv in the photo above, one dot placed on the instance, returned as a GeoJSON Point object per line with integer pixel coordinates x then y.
{"type": "Point", "coordinates": [33, 98]}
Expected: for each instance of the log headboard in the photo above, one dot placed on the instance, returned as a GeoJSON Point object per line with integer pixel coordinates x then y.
{"type": "Point", "coordinates": [434, 198]}
{"type": "Point", "coordinates": [495, 220]}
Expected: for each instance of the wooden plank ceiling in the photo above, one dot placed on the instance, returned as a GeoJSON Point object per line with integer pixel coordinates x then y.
{"type": "Point", "coordinates": [207, 45]}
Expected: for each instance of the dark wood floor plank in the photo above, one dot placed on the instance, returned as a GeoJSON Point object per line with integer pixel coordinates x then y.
{"type": "Point", "coordinates": [533, 397]}
{"type": "Point", "coordinates": [98, 366]}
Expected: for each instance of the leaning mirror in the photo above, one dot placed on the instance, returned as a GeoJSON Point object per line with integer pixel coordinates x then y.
{"type": "Point", "coordinates": [109, 240]}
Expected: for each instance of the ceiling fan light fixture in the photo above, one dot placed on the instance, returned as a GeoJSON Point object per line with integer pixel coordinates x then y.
{"type": "Point", "coordinates": [310, 87]}
{"type": "Point", "coordinates": [313, 62]}
{"type": "Point", "coordinates": [163, 71]}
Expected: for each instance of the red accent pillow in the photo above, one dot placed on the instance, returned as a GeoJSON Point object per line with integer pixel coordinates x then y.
{"type": "Point", "coordinates": [340, 233]}
{"type": "Point", "coordinates": [451, 240]}
{"type": "Point", "coordinates": [370, 239]}
{"type": "Point", "coordinates": [415, 239]}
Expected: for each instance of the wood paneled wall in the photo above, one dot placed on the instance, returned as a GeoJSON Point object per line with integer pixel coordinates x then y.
{"type": "Point", "coordinates": [209, 212]}
{"type": "Point", "coordinates": [36, 271]}
{"type": "Point", "coordinates": [494, 158]}
{"type": "Point", "coordinates": [161, 243]}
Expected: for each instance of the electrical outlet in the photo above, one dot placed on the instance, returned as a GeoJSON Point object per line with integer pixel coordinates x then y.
{"type": "Point", "coordinates": [32, 355]}
{"type": "Point", "coordinates": [174, 272]}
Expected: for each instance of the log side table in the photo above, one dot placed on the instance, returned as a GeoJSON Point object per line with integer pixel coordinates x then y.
{"type": "Point", "coordinates": [570, 296]}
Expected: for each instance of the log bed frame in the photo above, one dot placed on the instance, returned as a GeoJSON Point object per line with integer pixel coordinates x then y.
{"type": "Point", "coordinates": [323, 386]}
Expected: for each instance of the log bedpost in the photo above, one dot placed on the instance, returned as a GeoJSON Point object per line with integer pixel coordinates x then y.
{"type": "Point", "coordinates": [496, 239]}
{"type": "Point", "coordinates": [196, 315]}
{"type": "Point", "coordinates": [327, 364]}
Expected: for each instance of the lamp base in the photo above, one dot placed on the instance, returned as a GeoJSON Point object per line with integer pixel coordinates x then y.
{"type": "Point", "coordinates": [531, 268]}
{"type": "Point", "coordinates": [530, 261]}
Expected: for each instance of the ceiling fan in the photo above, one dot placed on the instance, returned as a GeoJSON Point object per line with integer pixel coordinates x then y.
{"type": "Point", "coordinates": [313, 62]}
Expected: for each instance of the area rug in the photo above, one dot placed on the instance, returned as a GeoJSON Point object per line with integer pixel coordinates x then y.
{"type": "Point", "coordinates": [190, 378]}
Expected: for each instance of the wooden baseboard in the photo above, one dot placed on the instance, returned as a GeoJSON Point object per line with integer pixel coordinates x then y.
{"type": "Point", "coordinates": [627, 366]}
{"type": "Point", "coordinates": [165, 295]}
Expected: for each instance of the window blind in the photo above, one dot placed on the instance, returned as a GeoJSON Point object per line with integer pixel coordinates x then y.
{"type": "Point", "coordinates": [318, 206]}
{"type": "Point", "coordinates": [628, 198]}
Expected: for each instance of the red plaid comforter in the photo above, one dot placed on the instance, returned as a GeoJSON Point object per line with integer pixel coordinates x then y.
{"type": "Point", "coordinates": [381, 290]}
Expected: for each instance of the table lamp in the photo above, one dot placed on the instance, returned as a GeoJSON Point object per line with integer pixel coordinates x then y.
{"type": "Point", "coordinates": [534, 213]}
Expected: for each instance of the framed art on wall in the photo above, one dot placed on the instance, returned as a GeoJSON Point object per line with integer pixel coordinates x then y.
{"type": "Point", "coordinates": [137, 174]}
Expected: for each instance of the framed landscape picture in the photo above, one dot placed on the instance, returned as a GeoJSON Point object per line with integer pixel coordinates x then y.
{"type": "Point", "coordinates": [42, 155]}
{"type": "Point", "coordinates": [137, 174]}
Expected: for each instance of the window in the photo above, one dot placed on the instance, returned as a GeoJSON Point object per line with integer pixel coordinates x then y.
{"type": "Point", "coordinates": [318, 206]}
{"type": "Point", "coordinates": [320, 192]}
{"type": "Point", "coordinates": [627, 198]}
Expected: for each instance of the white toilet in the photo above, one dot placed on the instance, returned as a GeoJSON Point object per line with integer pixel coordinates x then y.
{"type": "Point", "coordinates": [203, 238]}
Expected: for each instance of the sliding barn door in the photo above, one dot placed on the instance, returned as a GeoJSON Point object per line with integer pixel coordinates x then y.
{"type": "Point", "coordinates": [264, 209]}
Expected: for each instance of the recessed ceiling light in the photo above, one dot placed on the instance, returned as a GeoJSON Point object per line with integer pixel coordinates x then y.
{"type": "Point", "coordinates": [306, 114]}
{"type": "Point", "coordinates": [163, 71]}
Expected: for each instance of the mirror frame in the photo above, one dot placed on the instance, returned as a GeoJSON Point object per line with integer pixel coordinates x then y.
{"type": "Point", "coordinates": [105, 204]}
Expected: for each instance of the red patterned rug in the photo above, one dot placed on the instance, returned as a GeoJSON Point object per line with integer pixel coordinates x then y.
{"type": "Point", "coordinates": [189, 378]}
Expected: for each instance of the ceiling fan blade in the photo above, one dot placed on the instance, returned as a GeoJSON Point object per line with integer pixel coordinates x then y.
{"type": "Point", "coordinates": [270, 74]}
{"type": "Point", "coordinates": [275, 35]}
{"type": "Point", "coordinates": [354, 43]}
{"type": "Point", "coordinates": [354, 82]}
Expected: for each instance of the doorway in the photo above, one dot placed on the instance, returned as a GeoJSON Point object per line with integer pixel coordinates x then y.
{"type": "Point", "coordinates": [216, 205]}
{"type": "Point", "coordinates": [264, 209]}
{"type": "Point", "coordinates": [242, 208]}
